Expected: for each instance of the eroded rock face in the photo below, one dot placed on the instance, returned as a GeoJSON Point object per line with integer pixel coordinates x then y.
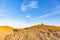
{"type": "Point", "coordinates": [35, 33]}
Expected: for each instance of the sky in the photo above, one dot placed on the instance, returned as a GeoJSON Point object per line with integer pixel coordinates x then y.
{"type": "Point", "coordinates": [25, 13]}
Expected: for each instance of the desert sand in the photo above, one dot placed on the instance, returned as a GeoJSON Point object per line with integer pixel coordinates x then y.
{"type": "Point", "coordinates": [36, 32]}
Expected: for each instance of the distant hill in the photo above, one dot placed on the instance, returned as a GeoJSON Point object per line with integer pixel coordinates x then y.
{"type": "Point", "coordinates": [36, 32]}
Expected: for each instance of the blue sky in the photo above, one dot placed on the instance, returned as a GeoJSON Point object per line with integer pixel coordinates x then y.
{"type": "Point", "coordinates": [24, 13]}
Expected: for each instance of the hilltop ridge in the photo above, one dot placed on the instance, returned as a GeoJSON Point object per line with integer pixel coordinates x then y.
{"type": "Point", "coordinates": [36, 32]}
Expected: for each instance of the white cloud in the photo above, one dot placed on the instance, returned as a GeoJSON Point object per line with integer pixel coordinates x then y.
{"type": "Point", "coordinates": [23, 8]}
{"type": "Point", "coordinates": [32, 4]}
{"type": "Point", "coordinates": [53, 11]}
{"type": "Point", "coordinates": [29, 17]}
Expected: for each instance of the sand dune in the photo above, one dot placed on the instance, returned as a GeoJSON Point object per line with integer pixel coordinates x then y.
{"type": "Point", "coordinates": [37, 32]}
{"type": "Point", "coordinates": [5, 30]}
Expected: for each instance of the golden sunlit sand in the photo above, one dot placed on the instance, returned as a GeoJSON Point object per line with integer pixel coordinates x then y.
{"type": "Point", "coordinates": [5, 30]}
{"type": "Point", "coordinates": [36, 32]}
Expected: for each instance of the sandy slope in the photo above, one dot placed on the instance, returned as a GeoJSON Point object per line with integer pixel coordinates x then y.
{"type": "Point", "coordinates": [37, 32]}
{"type": "Point", "coordinates": [5, 30]}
